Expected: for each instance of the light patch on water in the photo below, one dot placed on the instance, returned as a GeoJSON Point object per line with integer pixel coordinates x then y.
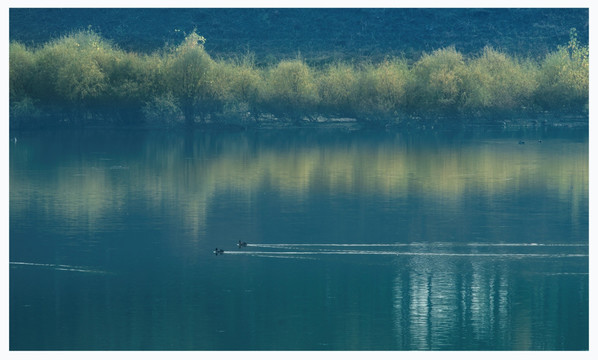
{"type": "Point", "coordinates": [60, 267]}
{"type": "Point", "coordinates": [396, 253]}
{"type": "Point", "coordinates": [439, 244]}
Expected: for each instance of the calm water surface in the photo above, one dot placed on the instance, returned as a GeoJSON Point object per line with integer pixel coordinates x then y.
{"type": "Point", "coordinates": [461, 240]}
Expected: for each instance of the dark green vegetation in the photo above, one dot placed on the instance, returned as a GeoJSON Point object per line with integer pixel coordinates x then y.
{"type": "Point", "coordinates": [94, 82]}
{"type": "Point", "coordinates": [320, 35]}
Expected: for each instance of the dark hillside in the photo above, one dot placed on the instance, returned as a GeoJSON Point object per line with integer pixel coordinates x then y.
{"type": "Point", "coordinates": [318, 34]}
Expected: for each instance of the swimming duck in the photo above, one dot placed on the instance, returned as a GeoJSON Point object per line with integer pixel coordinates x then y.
{"type": "Point", "coordinates": [241, 244]}
{"type": "Point", "coordinates": [218, 251]}
{"type": "Point", "coordinates": [521, 142]}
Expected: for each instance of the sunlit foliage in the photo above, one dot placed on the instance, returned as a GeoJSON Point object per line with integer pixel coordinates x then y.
{"type": "Point", "coordinates": [69, 69]}
{"type": "Point", "coordinates": [438, 81]}
{"type": "Point", "coordinates": [564, 76]}
{"type": "Point", "coordinates": [337, 84]}
{"type": "Point", "coordinates": [382, 88]}
{"type": "Point", "coordinates": [184, 84]}
{"type": "Point", "coordinates": [291, 88]}
{"type": "Point", "coordinates": [495, 81]}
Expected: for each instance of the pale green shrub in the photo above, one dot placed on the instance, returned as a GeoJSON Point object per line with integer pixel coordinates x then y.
{"type": "Point", "coordinates": [438, 81]}
{"type": "Point", "coordinates": [85, 73]}
{"type": "Point", "coordinates": [21, 71]}
{"type": "Point", "coordinates": [186, 74]}
{"type": "Point", "coordinates": [495, 81]}
{"type": "Point", "coordinates": [290, 88]}
{"type": "Point", "coordinates": [382, 88]}
{"type": "Point", "coordinates": [564, 76]}
{"type": "Point", "coordinates": [338, 88]}
{"type": "Point", "coordinates": [68, 69]}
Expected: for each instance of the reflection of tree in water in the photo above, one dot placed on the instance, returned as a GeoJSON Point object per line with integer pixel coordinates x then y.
{"type": "Point", "coordinates": [411, 188]}
{"type": "Point", "coordinates": [188, 172]}
{"type": "Point", "coordinates": [478, 304]}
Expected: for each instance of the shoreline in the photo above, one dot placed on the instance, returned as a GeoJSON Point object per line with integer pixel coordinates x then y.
{"type": "Point", "coordinates": [271, 122]}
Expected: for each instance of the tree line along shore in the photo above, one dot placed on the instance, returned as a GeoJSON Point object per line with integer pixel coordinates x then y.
{"type": "Point", "coordinates": [83, 79]}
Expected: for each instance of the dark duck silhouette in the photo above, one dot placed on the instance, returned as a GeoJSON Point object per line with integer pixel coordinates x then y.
{"type": "Point", "coordinates": [241, 244]}
{"type": "Point", "coordinates": [218, 251]}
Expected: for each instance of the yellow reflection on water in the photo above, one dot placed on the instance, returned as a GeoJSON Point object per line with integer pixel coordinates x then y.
{"type": "Point", "coordinates": [167, 173]}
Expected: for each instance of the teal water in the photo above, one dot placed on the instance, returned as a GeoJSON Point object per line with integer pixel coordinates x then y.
{"type": "Point", "coordinates": [356, 240]}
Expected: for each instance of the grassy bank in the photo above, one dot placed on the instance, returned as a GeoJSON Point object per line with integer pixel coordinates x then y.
{"type": "Point", "coordinates": [88, 80]}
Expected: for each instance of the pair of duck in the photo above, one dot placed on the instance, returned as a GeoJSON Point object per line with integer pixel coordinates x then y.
{"type": "Point", "coordinates": [521, 142]}
{"type": "Point", "coordinates": [240, 244]}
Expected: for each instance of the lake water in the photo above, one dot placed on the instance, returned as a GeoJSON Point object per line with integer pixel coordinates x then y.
{"type": "Point", "coordinates": [356, 240]}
